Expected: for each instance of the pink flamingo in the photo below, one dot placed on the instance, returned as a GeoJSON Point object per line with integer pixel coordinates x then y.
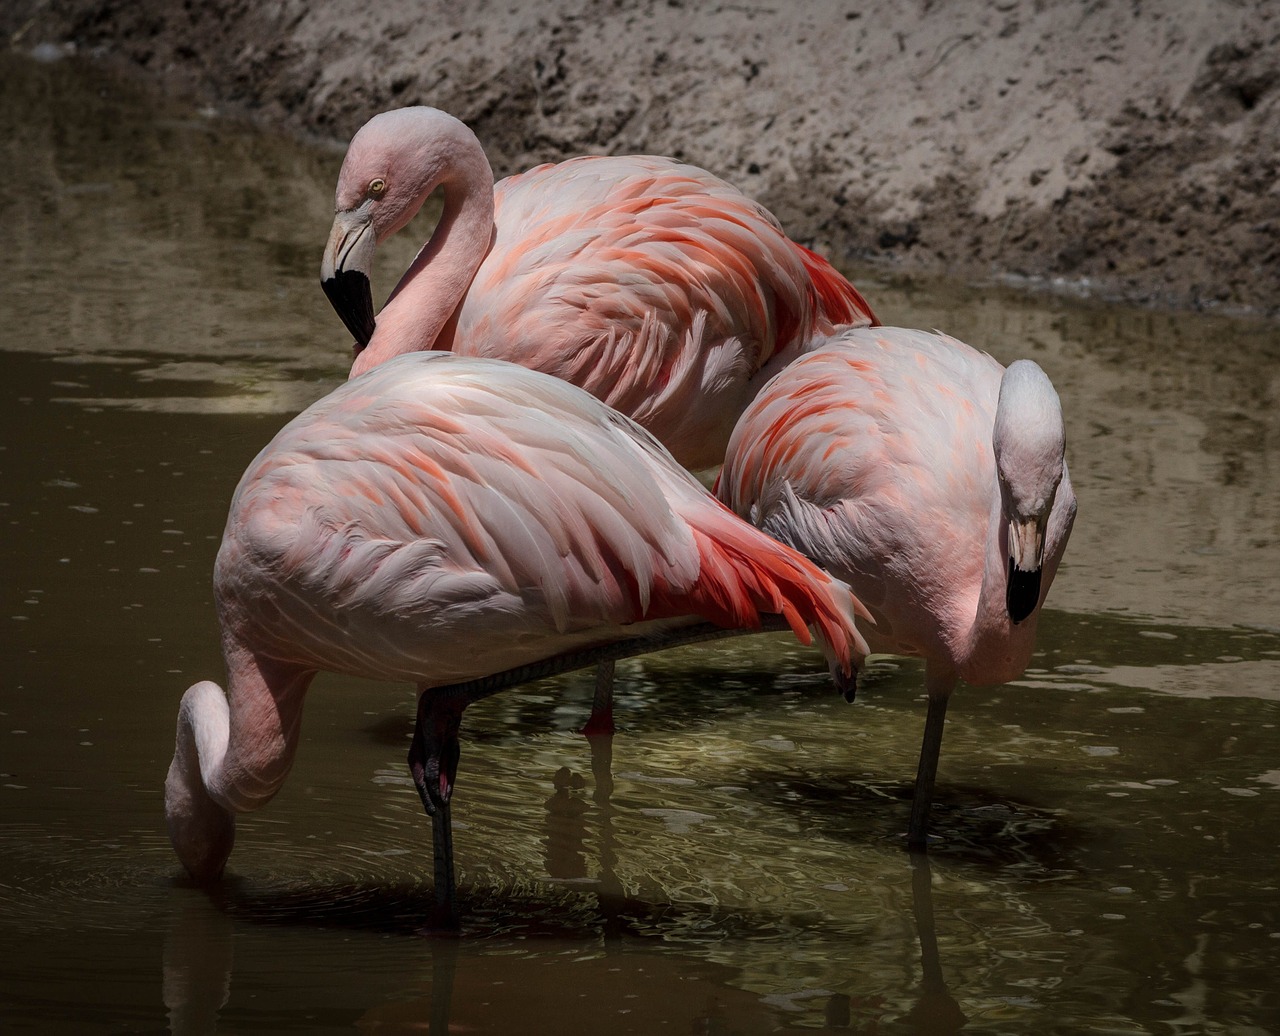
{"type": "Point", "coordinates": [657, 287]}
{"type": "Point", "coordinates": [440, 520]}
{"type": "Point", "coordinates": [934, 482]}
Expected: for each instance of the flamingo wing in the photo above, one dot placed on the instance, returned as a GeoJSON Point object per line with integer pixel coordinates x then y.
{"type": "Point", "coordinates": [886, 496]}
{"type": "Point", "coordinates": [443, 518]}
{"type": "Point", "coordinates": [667, 290]}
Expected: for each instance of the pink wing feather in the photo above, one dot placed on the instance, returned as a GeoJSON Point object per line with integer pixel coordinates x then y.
{"type": "Point", "coordinates": [443, 518]}
{"type": "Point", "coordinates": [656, 286]}
{"type": "Point", "coordinates": [829, 460]}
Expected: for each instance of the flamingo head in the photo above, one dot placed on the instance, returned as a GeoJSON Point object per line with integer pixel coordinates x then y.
{"type": "Point", "coordinates": [393, 164]}
{"type": "Point", "coordinates": [1029, 442]}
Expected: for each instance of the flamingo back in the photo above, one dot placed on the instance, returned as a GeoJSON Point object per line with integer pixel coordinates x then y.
{"type": "Point", "coordinates": [872, 455]}
{"type": "Point", "coordinates": [658, 287]}
{"type": "Point", "coordinates": [442, 518]}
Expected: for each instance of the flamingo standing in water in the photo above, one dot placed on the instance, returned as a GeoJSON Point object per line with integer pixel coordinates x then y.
{"type": "Point", "coordinates": [934, 482]}
{"type": "Point", "coordinates": [659, 288]}
{"type": "Point", "coordinates": [440, 520]}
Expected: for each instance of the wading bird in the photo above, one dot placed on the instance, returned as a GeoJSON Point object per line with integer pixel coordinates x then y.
{"type": "Point", "coordinates": [440, 520]}
{"type": "Point", "coordinates": [930, 479]}
{"type": "Point", "coordinates": [659, 288]}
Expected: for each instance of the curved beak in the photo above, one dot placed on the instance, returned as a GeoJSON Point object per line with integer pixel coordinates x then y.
{"type": "Point", "coordinates": [1026, 554]}
{"type": "Point", "coordinates": [344, 271]}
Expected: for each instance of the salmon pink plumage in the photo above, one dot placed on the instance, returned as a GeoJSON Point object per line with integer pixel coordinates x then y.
{"type": "Point", "coordinates": [659, 288]}
{"type": "Point", "coordinates": [934, 482]}
{"type": "Point", "coordinates": [440, 520]}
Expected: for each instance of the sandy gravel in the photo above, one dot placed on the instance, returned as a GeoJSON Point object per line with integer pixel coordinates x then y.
{"type": "Point", "coordinates": [1124, 146]}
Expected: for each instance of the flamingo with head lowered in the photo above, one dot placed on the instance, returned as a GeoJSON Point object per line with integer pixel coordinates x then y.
{"type": "Point", "coordinates": [462, 524]}
{"type": "Point", "coordinates": [934, 482]}
{"type": "Point", "coordinates": [659, 288]}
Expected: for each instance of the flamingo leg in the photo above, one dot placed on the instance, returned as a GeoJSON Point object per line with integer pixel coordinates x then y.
{"type": "Point", "coordinates": [926, 775]}
{"type": "Point", "coordinates": [446, 911]}
{"type": "Point", "coordinates": [434, 751]}
{"type": "Point", "coordinates": [601, 721]}
{"type": "Point", "coordinates": [433, 762]}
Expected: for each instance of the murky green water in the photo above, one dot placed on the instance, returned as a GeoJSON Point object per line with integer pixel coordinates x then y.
{"type": "Point", "coordinates": [1108, 824]}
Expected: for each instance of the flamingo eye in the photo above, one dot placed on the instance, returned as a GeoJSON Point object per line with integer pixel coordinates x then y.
{"type": "Point", "coordinates": [377, 187]}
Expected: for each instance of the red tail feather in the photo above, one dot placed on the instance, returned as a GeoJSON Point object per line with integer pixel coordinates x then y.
{"type": "Point", "coordinates": [840, 301]}
{"type": "Point", "coordinates": [745, 574]}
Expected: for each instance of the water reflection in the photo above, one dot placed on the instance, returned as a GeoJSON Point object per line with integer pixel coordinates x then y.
{"type": "Point", "coordinates": [936, 1011]}
{"type": "Point", "coordinates": [198, 962]}
{"type": "Point", "coordinates": [733, 857]}
{"type": "Point", "coordinates": [504, 974]}
{"type": "Point", "coordinates": [180, 246]}
{"type": "Point", "coordinates": [617, 986]}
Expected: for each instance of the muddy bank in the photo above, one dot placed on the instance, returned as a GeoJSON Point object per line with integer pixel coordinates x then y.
{"type": "Point", "coordinates": [1126, 148]}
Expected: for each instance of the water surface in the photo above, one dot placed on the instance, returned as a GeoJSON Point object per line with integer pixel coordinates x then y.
{"type": "Point", "coordinates": [732, 861]}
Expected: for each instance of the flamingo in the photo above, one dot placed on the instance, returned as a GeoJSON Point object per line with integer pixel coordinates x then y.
{"type": "Point", "coordinates": [464, 524]}
{"type": "Point", "coordinates": [656, 286]}
{"type": "Point", "coordinates": [930, 479]}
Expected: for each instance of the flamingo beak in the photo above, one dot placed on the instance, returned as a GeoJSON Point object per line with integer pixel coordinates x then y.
{"type": "Point", "coordinates": [1026, 554]}
{"type": "Point", "coordinates": [344, 272]}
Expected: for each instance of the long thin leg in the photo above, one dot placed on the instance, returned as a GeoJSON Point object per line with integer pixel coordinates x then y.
{"type": "Point", "coordinates": [601, 721]}
{"type": "Point", "coordinates": [930, 748]}
{"type": "Point", "coordinates": [442, 851]}
{"type": "Point", "coordinates": [433, 762]}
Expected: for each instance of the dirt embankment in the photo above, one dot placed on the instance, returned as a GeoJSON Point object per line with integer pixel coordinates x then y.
{"type": "Point", "coordinates": [1124, 146]}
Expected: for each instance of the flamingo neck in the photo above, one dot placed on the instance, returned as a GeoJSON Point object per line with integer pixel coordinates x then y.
{"type": "Point", "coordinates": [201, 828]}
{"type": "Point", "coordinates": [995, 649]}
{"type": "Point", "coordinates": [425, 301]}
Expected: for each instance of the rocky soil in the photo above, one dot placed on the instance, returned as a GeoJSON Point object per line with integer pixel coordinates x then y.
{"type": "Point", "coordinates": [1123, 147]}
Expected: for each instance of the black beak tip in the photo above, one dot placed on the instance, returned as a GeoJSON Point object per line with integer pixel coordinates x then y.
{"type": "Point", "coordinates": [1022, 592]}
{"type": "Point", "coordinates": [351, 295]}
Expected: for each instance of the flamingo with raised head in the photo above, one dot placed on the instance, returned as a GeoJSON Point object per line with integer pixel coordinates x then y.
{"type": "Point", "coordinates": [659, 288]}
{"type": "Point", "coordinates": [441, 520]}
{"type": "Point", "coordinates": [934, 482]}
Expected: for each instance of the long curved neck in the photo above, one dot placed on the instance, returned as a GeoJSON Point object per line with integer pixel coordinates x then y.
{"type": "Point", "coordinates": [997, 650]}
{"type": "Point", "coordinates": [438, 278]}
{"type": "Point", "coordinates": [232, 753]}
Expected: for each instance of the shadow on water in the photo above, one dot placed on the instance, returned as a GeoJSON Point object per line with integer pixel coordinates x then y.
{"type": "Point", "coordinates": [970, 824]}
{"type": "Point", "coordinates": [630, 952]}
{"type": "Point", "coordinates": [629, 960]}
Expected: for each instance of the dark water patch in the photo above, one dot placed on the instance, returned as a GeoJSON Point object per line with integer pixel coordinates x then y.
{"type": "Point", "coordinates": [972, 824]}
